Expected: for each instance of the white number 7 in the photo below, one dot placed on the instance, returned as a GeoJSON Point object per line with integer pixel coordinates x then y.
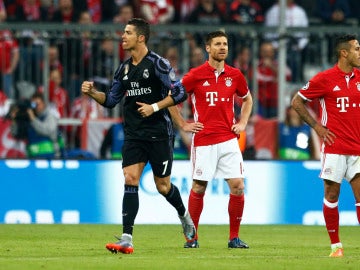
{"type": "Point", "coordinates": [165, 163]}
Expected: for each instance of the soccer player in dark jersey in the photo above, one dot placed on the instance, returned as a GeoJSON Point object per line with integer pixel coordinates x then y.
{"type": "Point", "coordinates": [338, 91]}
{"type": "Point", "coordinates": [144, 80]}
{"type": "Point", "coordinates": [215, 150]}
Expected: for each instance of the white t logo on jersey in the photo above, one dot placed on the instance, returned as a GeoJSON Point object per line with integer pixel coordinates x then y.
{"type": "Point", "coordinates": [342, 103]}
{"type": "Point", "coordinates": [211, 97]}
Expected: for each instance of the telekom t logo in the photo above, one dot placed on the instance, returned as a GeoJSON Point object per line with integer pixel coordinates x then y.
{"type": "Point", "coordinates": [342, 103]}
{"type": "Point", "coordinates": [211, 97]}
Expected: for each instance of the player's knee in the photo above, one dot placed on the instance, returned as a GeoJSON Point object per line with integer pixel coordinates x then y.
{"type": "Point", "coordinates": [131, 179]}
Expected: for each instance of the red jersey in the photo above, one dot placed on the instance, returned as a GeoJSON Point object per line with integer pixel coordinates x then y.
{"type": "Point", "coordinates": [339, 97]}
{"type": "Point", "coordinates": [213, 101]}
{"type": "Point", "coordinates": [7, 46]}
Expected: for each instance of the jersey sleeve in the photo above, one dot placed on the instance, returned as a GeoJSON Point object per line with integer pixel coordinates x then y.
{"type": "Point", "coordinates": [165, 72]}
{"type": "Point", "coordinates": [116, 92]}
{"type": "Point", "coordinates": [242, 89]}
{"type": "Point", "coordinates": [188, 81]}
{"type": "Point", "coordinates": [314, 88]}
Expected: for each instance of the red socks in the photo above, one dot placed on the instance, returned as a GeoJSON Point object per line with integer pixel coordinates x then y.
{"type": "Point", "coordinates": [331, 216]}
{"type": "Point", "coordinates": [235, 209]}
{"type": "Point", "coordinates": [195, 207]}
{"type": "Point", "coordinates": [357, 205]}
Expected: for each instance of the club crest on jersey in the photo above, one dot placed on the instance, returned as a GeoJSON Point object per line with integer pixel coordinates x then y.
{"type": "Point", "coordinates": [172, 75]}
{"type": "Point", "coordinates": [146, 74]}
{"type": "Point", "coordinates": [228, 81]}
{"type": "Point", "coordinates": [306, 86]}
{"type": "Point", "coordinates": [358, 86]}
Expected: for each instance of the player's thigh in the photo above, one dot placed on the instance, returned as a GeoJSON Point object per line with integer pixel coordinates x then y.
{"type": "Point", "coordinates": [230, 164]}
{"type": "Point", "coordinates": [134, 152]}
{"type": "Point", "coordinates": [353, 167]}
{"type": "Point", "coordinates": [204, 161]}
{"type": "Point", "coordinates": [161, 157]}
{"type": "Point", "coordinates": [333, 167]}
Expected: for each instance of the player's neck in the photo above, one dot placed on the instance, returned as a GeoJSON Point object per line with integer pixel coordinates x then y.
{"type": "Point", "coordinates": [138, 54]}
{"type": "Point", "coordinates": [218, 65]}
{"type": "Point", "coordinates": [345, 67]}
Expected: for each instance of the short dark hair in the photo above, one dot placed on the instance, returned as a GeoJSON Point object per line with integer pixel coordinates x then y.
{"type": "Point", "coordinates": [342, 43]}
{"type": "Point", "coordinates": [210, 36]}
{"type": "Point", "coordinates": [142, 27]}
{"type": "Point", "coordinates": [38, 95]}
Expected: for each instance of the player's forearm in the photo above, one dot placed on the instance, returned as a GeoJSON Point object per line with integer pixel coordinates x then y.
{"type": "Point", "coordinates": [165, 103]}
{"type": "Point", "coordinates": [98, 96]}
{"type": "Point", "coordinates": [246, 109]}
{"type": "Point", "coordinates": [176, 116]}
{"type": "Point", "coordinates": [299, 106]}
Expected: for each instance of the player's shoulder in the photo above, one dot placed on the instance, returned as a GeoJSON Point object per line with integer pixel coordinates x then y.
{"type": "Point", "coordinates": [233, 71]}
{"type": "Point", "coordinates": [160, 63]}
{"type": "Point", "coordinates": [357, 72]}
{"type": "Point", "coordinates": [201, 69]}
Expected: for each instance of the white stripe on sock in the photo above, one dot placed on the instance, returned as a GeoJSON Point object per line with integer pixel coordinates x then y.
{"type": "Point", "coordinates": [329, 204]}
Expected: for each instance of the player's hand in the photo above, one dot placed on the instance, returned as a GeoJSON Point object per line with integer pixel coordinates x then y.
{"type": "Point", "coordinates": [193, 127]}
{"type": "Point", "coordinates": [237, 128]}
{"type": "Point", "coordinates": [87, 87]}
{"type": "Point", "coordinates": [145, 110]}
{"type": "Point", "coordinates": [325, 134]}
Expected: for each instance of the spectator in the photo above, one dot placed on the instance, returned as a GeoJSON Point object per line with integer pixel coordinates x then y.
{"type": "Point", "coordinates": [82, 108]}
{"type": "Point", "coordinates": [246, 12]}
{"type": "Point", "coordinates": [101, 11]}
{"type": "Point", "coordinates": [183, 9]}
{"type": "Point", "coordinates": [267, 74]}
{"type": "Point", "coordinates": [53, 58]}
{"type": "Point", "coordinates": [10, 10]}
{"type": "Point", "coordinates": [4, 105]}
{"type": "Point", "coordinates": [206, 13]}
{"type": "Point", "coordinates": [104, 64]}
{"type": "Point", "coordinates": [297, 140]}
{"type": "Point", "coordinates": [48, 7]}
{"type": "Point", "coordinates": [266, 4]}
{"type": "Point", "coordinates": [39, 126]}
{"type": "Point", "coordinates": [172, 54]}
{"type": "Point", "coordinates": [76, 52]}
{"type": "Point", "coordinates": [157, 11]}
{"type": "Point", "coordinates": [197, 57]}
{"type": "Point", "coordinates": [113, 140]}
{"type": "Point", "coordinates": [30, 11]}
{"type": "Point", "coordinates": [242, 61]}
{"type": "Point", "coordinates": [66, 13]}
{"type": "Point", "coordinates": [58, 96]}
{"type": "Point", "coordinates": [9, 60]}
{"type": "Point", "coordinates": [295, 16]}
{"type": "Point", "coordinates": [124, 14]}
{"type": "Point", "coordinates": [333, 11]}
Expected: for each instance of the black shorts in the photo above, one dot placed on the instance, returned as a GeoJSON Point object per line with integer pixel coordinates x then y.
{"type": "Point", "coordinates": [158, 153]}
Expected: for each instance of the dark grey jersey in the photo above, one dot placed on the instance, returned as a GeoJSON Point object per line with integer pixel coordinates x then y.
{"type": "Point", "coordinates": [147, 82]}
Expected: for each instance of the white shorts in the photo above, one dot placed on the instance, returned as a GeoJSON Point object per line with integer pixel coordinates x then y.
{"type": "Point", "coordinates": [222, 160]}
{"type": "Point", "coordinates": [336, 167]}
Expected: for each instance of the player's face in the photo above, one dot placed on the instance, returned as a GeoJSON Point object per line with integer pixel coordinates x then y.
{"type": "Point", "coordinates": [129, 38]}
{"type": "Point", "coordinates": [354, 54]}
{"type": "Point", "coordinates": [218, 49]}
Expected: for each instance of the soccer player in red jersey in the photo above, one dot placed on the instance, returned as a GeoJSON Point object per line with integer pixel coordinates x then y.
{"type": "Point", "coordinates": [215, 150]}
{"type": "Point", "coordinates": [338, 90]}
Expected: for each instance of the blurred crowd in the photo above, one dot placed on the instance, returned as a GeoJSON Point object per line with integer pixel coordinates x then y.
{"type": "Point", "coordinates": [74, 58]}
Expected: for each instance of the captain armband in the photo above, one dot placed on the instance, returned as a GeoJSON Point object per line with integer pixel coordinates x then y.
{"type": "Point", "coordinates": [178, 93]}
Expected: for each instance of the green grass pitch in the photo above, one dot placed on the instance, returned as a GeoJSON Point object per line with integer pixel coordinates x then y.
{"type": "Point", "coordinates": [161, 247]}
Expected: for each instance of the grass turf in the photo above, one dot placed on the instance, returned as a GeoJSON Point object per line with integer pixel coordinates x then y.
{"type": "Point", "coordinates": [161, 247]}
